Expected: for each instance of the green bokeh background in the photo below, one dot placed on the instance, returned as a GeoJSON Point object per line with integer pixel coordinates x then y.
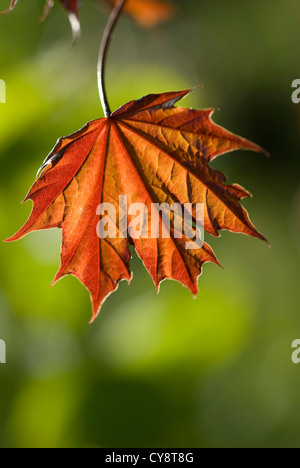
{"type": "Point", "coordinates": [167, 370]}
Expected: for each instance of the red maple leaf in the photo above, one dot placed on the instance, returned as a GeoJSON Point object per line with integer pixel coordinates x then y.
{"type": "Point", "coordinates": [151, 152]}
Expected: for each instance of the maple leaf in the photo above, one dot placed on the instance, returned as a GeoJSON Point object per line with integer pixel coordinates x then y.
{"type": "Point", "coordinates": [148, 12]}
{"type": "Point", "coordinates": [152, 152]}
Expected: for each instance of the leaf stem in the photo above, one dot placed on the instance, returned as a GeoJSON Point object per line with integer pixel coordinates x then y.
{"type": "Point", "coordinates": [107, 35]}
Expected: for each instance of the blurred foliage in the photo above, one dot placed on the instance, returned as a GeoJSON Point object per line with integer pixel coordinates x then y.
{"type": "Point", "coordinates": [167, 370]}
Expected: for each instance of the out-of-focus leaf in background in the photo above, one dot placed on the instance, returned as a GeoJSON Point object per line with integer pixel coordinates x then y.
{"type": "Point", "coordinates": [163, 370]}
{"type": "Point", "coordinates": [147, 13]}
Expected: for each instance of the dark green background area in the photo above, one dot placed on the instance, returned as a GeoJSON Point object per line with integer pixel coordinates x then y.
{"type": "Point", "coordinates": [166, 370]}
